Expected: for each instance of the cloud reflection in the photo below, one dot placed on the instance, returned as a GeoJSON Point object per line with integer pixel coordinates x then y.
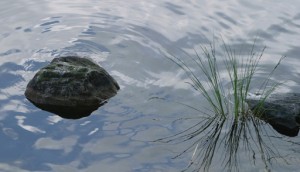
{"type": "Point", "coordinates": [54, 119]}
{"type": "Point", "coordinates": [66, 144]}
{"type": "Point", "coordinates": [15, 106]}
{"type": "Point", "coordinates": [10, 133]}
{"type": "Point", "coordinates": [170, 79]}
{"type": "Point", "coordinates": [9, 167]}
{"type": "Point", "coordinates": [29, 128]}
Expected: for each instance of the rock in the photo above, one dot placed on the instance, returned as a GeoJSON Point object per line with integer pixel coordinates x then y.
{"type": "Point", "coordinates": [281, 111]}
{"type": "Point", "coordinates": [71, 87]}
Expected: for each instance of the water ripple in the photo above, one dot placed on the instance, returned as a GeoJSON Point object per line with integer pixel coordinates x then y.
{"type": "Point", "coordinates": [9, 52]}
{"type": "Point", "coordinates": [130, 39]}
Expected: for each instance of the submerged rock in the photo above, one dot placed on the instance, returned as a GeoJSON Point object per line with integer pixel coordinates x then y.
{"type": "Point", "coordinates": [71, 87]}
{"type": "Point", "coordinates": [281, 111]}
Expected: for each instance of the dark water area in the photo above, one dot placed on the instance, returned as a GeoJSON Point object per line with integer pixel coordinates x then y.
{"type": "Point", "coordinates": [130, 40]}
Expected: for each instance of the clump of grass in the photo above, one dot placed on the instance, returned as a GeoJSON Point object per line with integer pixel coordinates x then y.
{"type": "Point", "coordinates": [241, 75]}
{"type": "Point", "coordinates": [226, 101]}
{"type": "Point", "coordinates": [209, 67]}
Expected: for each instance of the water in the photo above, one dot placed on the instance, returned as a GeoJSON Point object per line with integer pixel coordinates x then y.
{"type": "Point", "coordinates": [129, 39]}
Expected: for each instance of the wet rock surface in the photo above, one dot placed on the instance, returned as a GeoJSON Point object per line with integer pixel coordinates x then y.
{"type": "Point", "coordinates": [281, 111]}
{"type": "Point", "coordinates": [71, 87]}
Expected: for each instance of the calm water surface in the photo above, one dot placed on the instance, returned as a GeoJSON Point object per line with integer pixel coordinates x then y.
{"type": "Point", "coordinates": [130, 40]}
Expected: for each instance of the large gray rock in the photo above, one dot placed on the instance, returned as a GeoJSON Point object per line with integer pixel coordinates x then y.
{"type": "Point", "coordinates": [71, 87]}
{"type": "Point", "coordinates": [282, 111]}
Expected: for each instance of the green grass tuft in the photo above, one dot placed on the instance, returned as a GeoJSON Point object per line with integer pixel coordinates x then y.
{"type": "Point", "coordinates": [222, 100]}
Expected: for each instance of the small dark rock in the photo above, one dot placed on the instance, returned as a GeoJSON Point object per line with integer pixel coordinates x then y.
{"type": "Point", "coordinates": [281, 111]}
{"type": "Point", "coordinates": [71, 87]}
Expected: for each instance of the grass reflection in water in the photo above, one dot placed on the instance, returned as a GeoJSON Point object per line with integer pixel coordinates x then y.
{"type": "Point", "coordinates": [217, 139]}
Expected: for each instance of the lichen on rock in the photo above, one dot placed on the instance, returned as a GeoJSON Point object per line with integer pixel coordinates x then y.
{"type": "Point", "coordinates": [71, 87]}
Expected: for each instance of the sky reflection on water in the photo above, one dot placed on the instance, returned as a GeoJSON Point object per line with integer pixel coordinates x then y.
{"type": "Point", "coordinates": [129, 39]}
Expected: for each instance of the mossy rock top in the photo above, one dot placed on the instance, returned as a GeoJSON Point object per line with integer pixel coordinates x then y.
{"type": "Point", "coordinates": [71, 82]}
